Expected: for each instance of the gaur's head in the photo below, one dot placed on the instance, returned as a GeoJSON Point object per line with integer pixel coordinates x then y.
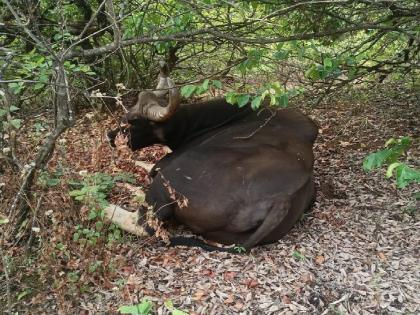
{"type": "Point", "coordinates": [140, 132]}
{"type": "Point", "coordinates": [152, 109]}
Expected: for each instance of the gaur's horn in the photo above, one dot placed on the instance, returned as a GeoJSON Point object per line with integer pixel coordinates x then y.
{"type": "Point", "coordinates": [153, 105]}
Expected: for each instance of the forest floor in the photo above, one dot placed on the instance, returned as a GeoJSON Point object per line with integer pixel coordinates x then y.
{"type": "Point", "coordinates": [356, 252]}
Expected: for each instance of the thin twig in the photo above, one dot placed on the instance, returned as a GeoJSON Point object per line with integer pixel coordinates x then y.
{"type": "Point", "coordinates": [273, 113]}
{"type": "Point", "coordinates": [38, 205]}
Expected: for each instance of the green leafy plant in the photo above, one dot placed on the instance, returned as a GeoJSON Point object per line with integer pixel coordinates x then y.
{"type": "Point", "coordinates": [7, 119]}
{"type": "Point", "coordinates": [143, 308]}
{"type": "Point", "coordinates": [92, 191]}
{"type": "Point", "coordinates": [73, 276]}
{"type": "Point", "coordinates": [394, 150]}
{"type": "Point", "coordinates": [50, 179]}
{"type": "Point", "coordinates": [86, 235]}
{"type": "Point", "coordinates": [298, 255]}
{"type": "Point", "coordinates": [239, 249]}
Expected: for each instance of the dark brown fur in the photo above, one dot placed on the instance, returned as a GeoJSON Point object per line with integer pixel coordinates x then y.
{"type": "Point", "coordinates": [238, 176]}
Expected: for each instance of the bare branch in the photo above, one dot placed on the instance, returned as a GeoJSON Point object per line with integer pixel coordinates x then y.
{"type": "Point", "coordinates": [21, 24]}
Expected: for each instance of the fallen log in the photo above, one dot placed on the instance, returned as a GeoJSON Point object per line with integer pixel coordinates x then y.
{"type": "Point", "coordinates": [126, 220]}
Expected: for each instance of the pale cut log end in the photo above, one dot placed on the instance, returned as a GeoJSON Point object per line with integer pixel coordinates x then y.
{"type": "Point", "coordinates": [126, 220]}
{"type": "Point", "coordinates": [147, 166]}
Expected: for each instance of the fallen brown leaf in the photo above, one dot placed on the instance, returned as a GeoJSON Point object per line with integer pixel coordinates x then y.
{"type": "Point", "coordinates": [229, 275]}
{"type": "Point", "coordinates": [229, 300]}
{"type": "Point", "coordinates": [382, 256]}
{"type": "Point", "coordinates": [319, 259]}
{"type": "Point", "coordinates": [251, 283]}
{"type": "Point", "coordinates": [199, 295]}
{"type": "Point", "coordinates": [208, 273]}
{"type": "Point", "coordinates": [239, 305]}
{"type": "Point", "coordinates": [285, 299]}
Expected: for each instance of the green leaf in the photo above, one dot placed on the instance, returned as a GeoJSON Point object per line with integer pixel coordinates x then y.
{"type": "Point", "coordinates": [75, 193]}
{"type": "Point", "coordinates": [312, 73]}
{"type": "Point", "coordinates": [3, 112]}
{"type": "Point", "coordinates": [38, 86]}
{"type": "Point", "coordinates": [143, 308]}
{"type": "Point", "coordinates": [16, 87]}
{"type": "Point", "coordinates": [4, 220]}
{"type": "Point", "coordinates": [92, 215]}
{"type": "Point", "coordinates": [73, 276]}
{"type": "Point", "coordinates": [390, 142]}
{"type": "Point", "coordinates": [391, 168]}
{"type": "Point", "coordinates": [299, 256]}
{"type": "Point", "coordinates": [406, 175]}
{"type": "Point", "coordinates": [328, 63]}
{"type": "Point", "coordinates": [43, 78]}
{"type": "Point", "coordinates": [13, 108]}
{"type": "Point", "coordinates": [281, 54]}
{"type": "Point", "coordinates": [16, 123]}
{"type": "Point", "coordinates": [200, 90]}
{"type": "Point", "coordinates": [24, 293]}
{"type": "Point", "coordinates": [99, 225]}
{"type": "Point", "coordinates": [301, 52]}
{"type": "Point", "coordinates": [405, 142]}
{"type": "Point", "coordinates": [139, 198]}
{"type": "Point", "coordinates": [217, 84]}
{"type": "Point", "coordinates": [277, 87]}
{"type": "Point", "coordinates": [188, 90]}
{"type": "Point", "coordinates": [205, 84]}
{"type": "Point", "coordinates": [57, 37]}
{"type": "Point", "coordinates": [53, 182]}
{"type": "Point", "coordinates": [272, 100]}
{"type": "Point", "coordinates": [256, 102]}
{"type": "Point", "coordinates": [243, 99]}
{"type": "Point", "coordinates": [284, 100]}
{"type": "Point", "coordinates": [231, 97]}
{"type": "Point", "coordinates": [170, 306]}
{"type": "Point", "coordinates": [239, 249]}
{"type": "Point", "coordinates": [377, 159]}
